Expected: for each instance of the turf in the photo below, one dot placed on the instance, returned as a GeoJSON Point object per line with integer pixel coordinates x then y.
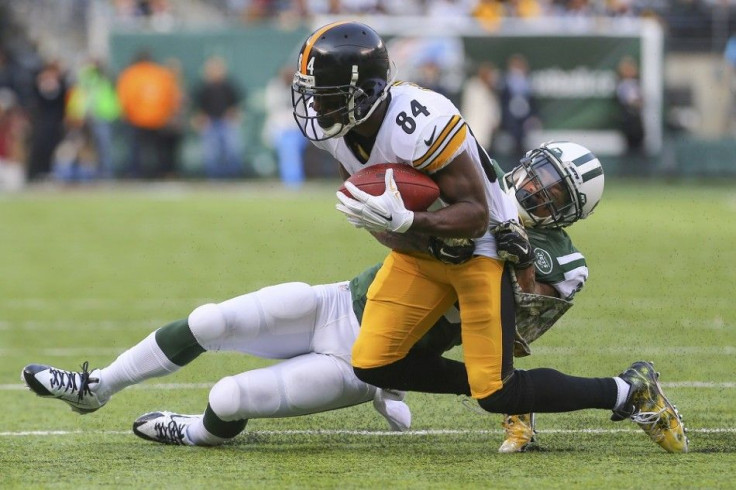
{"type": "Point", "coordinates": [88, 272]}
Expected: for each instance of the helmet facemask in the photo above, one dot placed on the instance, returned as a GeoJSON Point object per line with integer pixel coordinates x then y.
{"type": "Point", "coordinates": [326, 112]}
{"type": "Point", "coordinates": [545, 193]}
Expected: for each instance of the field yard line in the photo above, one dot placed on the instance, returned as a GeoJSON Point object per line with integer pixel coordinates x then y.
{"type": "Point", "coordinates": [199, 386]}
{"type": "Point", "coordinates": [437, 432]}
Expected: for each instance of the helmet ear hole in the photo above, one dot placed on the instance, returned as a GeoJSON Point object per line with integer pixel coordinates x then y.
{"type": "Point", "coordinates": [362, 104]}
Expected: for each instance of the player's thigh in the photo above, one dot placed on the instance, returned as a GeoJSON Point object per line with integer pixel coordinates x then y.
{"type": "Point", "coordinates": [336, 324]}
{"type": "Point", "coordinates": [405, 299]}
{"type": "Point", "coordinates": [274, 322]}
{"type": "Point", "coordinates": [486, 313]}
{"type": "Point", "coordinates": [306, 384]}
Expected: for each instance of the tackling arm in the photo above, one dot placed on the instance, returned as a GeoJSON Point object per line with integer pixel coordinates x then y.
{"type": "Point", "coordinates": [528, 283]}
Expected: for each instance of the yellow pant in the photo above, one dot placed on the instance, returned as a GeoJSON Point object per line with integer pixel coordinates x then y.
{"type": "Point", "coordinates": [409, 294]}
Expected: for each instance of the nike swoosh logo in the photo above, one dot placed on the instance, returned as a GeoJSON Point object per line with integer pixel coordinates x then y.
{"type": "Point", "coordinates": [429, 141]}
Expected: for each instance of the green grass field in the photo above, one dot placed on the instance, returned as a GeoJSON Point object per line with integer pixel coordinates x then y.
{"type": "Point", "coordinates": [87, 273]}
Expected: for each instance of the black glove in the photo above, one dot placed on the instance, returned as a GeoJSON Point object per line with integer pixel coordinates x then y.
{"type": "Point", "coordinates": [451, 250]}
{"type": "Point", "coordinates": [513, 244]}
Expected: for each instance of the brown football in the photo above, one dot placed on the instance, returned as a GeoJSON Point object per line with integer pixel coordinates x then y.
{"type": "Point", "coordinates": [417, 189]}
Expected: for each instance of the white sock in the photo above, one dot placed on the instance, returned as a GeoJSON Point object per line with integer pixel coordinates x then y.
{"type": "Point", "coordinates": [142, 361]}
{"type": "Point", "coordinates": [623, 392]}
{"type": "Point", "coordinates": [199, 436]}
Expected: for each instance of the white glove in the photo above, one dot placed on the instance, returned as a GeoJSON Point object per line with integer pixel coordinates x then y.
{"type": "Point", "coordinates": [376, 213]}
{"type": "Point", "coordinates": [390, 404]}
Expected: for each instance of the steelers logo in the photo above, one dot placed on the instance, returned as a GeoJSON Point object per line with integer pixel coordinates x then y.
{"type": "Point", "coordinates": [542, 261]}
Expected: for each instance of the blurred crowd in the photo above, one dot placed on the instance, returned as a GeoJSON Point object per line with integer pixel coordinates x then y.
{"type": "Point", "coordinates": [65, 127]}
{"type": "Point", "coordinates": [161, 13]}
{"type": "Point", "coordinates": [59, 123]}
{"type": "Point", "coordinates": [485, 10]}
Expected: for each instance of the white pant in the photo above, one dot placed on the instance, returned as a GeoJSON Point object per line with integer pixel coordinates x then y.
{"type": "Point", "coordinates": [313, 327]}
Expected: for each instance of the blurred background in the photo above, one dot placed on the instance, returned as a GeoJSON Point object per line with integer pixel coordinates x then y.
{"type": "Point", "coordinates": [108, 90]}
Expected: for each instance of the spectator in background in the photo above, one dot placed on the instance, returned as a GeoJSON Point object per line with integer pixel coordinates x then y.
{"type": "Point", "coordinates": [217, 119]}
{"type": "Point", "coordinates": [173, 132]}
{"type": "Point", "coordinates": [8, 73]}
{"type": "Point", "coordinates": [13, 131]}
{"type": "Point", "coordinates": [489, 13]}
{"type": "Point", "coordinates": [730, 57]}
{"type": "Point", "coordinates": [524, 9]}
{"type": "Point", "coordinates": [430, 77]}
{"type": "Point", "coordinates": [629, 100]}
{"type": "Point", "coordinates": [93, 103]}
{"type": "Point", "coordinates": [448, 9]}
{"type": "Point", "coordinates": [47, 118]}
{"type": "Point", "coordinates": [518, 106]}
{"type": "Point", "coordinates": [280, 131]}
{"type": "Point", "coordinates": [149, 96]}
{"type": "Point", "coordinates": [75, 157]}
{"type": "Point", "coordinates": [480, 105]}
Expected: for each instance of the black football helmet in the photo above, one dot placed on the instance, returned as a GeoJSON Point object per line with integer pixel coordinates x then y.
{"type": "Point", "coordinates": [343, 75]}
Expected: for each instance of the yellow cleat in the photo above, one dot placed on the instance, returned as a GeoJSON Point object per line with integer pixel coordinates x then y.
{"type": "Point", "coordinates": [519, 433]}
{"type": "Point", "coordinates": [650, 409]}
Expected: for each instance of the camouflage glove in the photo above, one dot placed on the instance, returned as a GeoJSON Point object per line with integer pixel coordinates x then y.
{"type": "Point", "coordinates": [513, 244]}
{"type": "Point", "coordinates": [451, 250]}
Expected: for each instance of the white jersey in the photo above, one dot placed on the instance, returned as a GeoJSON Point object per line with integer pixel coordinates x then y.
{"type": "Point", "coordinates": [424, 129]}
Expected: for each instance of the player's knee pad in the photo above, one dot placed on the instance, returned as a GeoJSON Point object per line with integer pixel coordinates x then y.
{"type": "Point", "coordinates": [225, 399]}
{"type": "Point", "coordinates": [516, 396]}
{"type": "Point", "coordinates": [287, 301]}
{"type": "Point", "coordinates": [208, 325]}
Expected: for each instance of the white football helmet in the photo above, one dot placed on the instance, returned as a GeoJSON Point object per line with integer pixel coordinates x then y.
{"type": "Point", "coordinates": [556, 184]}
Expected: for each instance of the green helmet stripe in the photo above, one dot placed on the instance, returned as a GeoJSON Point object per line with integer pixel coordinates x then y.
{"type": "Point", "coordinates": [583, 159]}
{"type": "Point", "coordinates": [592, 174]}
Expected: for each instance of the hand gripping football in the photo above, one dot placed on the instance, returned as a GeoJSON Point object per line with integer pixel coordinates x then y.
{"type": "Point", "coordinates": [417, 190]}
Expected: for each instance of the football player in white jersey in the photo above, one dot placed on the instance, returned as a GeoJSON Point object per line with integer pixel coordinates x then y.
{"type": "Point", "coordinates": [314, 327]}
{"type": "Point", "coordinates": [345, 101]}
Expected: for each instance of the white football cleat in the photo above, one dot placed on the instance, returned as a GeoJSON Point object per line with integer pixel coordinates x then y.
{"type": "Point", "coordinates": [69, 386]}
{"type": "Point", "coordinates": [165, 427]}
{"type": "Point", "coordinates": [390, 404]}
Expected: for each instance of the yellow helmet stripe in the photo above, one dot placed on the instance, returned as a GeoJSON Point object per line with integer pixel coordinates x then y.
{"type": "Point", "coordinates": [310, 43]}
